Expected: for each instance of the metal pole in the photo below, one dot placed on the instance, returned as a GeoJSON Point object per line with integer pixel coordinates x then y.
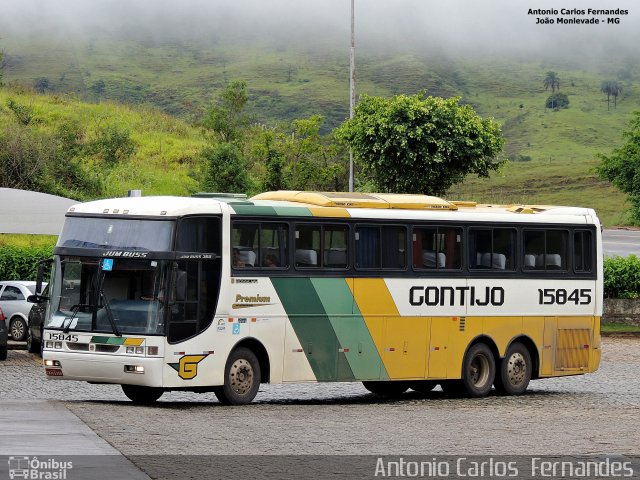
{"type": "Point", "coordinates": [352, 86]}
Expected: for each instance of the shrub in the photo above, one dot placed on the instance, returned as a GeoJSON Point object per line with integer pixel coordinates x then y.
{"type": "Point", "coordinates": [557, 100]}
{"type": "Point", "coordinates": [21, 263]}
{"type": "Point", "coordinates": [622, 277]}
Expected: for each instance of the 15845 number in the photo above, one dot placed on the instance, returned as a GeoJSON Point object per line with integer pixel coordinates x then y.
{"type": "Point", "coordinates": [560, 296]}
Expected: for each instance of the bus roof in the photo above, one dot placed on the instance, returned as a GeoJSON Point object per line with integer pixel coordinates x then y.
{"type": "Point", "coordinates": [408, 202]}
{"type": "Point", "coordinates": [328, 204]}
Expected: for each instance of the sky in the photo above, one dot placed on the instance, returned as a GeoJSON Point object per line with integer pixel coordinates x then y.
{"type": "Point", "coordinates": [457, 26]}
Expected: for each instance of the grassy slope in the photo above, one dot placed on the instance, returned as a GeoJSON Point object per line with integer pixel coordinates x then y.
{"type": "Point", "coordinates": [166, 148]}
{"type": "Point", "coordinates": [288, 82]}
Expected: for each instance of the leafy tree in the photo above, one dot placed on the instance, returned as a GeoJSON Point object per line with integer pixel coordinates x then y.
{"type": "Point", "coordinates": [552, 81]}
{"type": "Point", "coordinates": [612, 89]}
{"type": "Point", "coordinates": [274, 163]}
{"type": "Point", "coordinates": [413, 144]}
{"type": "Point", "coordinates": [226, 169]}
{"type": "Point", "coordinates": [621, 167]}
{"type": "Point", "coordinates": [226, 117]}
{"type": "Point", "coordinates": [557, 100]}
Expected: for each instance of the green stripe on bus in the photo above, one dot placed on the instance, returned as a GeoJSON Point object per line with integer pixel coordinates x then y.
{"type": "Point", "coordinates": [313, 328]}
{"type": "Point", "coordinates": [350, 328]}
{"type": "Point", "coordinates": [263, 210]}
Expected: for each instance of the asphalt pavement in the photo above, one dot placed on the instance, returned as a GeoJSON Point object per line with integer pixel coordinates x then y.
{"type": "Point", "coordinates": [621, 242]}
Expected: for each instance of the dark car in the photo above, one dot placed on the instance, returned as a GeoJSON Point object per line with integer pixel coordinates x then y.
{"type": "Point", "coordinates": [36, 321]}
{"type": "Point", "coordinates": [3, 336]}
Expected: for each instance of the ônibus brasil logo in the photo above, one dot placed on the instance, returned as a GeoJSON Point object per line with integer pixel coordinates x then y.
{"type": "Point", "coordinates": [35, 469]}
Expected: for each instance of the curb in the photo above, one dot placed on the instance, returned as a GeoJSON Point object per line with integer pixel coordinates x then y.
{"type": "Point", "coordinates": [620, 334]}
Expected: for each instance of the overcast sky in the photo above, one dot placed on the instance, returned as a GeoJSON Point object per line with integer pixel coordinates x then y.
{"type": "Point", "coordinates": [490, 26]}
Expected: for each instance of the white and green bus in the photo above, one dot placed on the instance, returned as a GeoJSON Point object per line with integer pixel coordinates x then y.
{"type": "Point", "coordinates": [222, 293]}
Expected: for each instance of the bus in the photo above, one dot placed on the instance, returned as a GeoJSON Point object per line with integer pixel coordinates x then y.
{"type": "Point", "coordinates": [220, 293]}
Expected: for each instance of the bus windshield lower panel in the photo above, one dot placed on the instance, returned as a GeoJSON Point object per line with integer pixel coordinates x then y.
{"type": "Point", "coordinates": [126, 298]}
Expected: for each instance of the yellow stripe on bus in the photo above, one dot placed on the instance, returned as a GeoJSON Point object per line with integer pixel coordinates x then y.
{"type": "Point", "coordinates": [401, 341]}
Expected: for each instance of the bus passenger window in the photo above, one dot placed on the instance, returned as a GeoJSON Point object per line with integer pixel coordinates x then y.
{"type": "Point", "coordinates": [545, 250]}
{"type": "Point", "coordinates": [582, 251]}
{"type": "Point", "coordinates": [368, 247]}
{"type": "Point", "coordinates": [492, 249]}
{"type": "Point", "coordinates": [437, 248]}
{"type": "Point", "coordinates": [307, 246]}
{"type": "Point", "coordinates": [256, 245]}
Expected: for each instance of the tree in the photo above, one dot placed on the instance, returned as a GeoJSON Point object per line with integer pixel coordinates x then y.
{"type": "Point", "coordinates": [552, 81]}
{"type": "Point", "coordinates": [612, 89]}
{"type": "Point", "coordinates": [621, 167]}
{"type": "Point", "coordinates": [226, 169]}
{"type": "Point", "coordinates": [413, 144]}
{"type": "Point", "coordinates": [226, 117]}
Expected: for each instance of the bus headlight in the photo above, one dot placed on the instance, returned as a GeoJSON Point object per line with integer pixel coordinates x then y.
{"type": "Point", "coordinates": [51, 363]}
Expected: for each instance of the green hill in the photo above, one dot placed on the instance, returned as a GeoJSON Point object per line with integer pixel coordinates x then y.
{"type": "Point", "coordinates": [553, 153]}
{"type": "Point", "coordinates": [33, 135]}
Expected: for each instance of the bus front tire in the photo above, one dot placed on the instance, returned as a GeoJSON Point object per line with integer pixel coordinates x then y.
{"type": "Point", "coordinates": [386, 389]}
{"type": "Point", "coordinates": [241, 378]}
{"type": "Point", "coordinates": [514, 371]}
{"type": "Point", "coordinates": [478, 371]}
{"type": "Point", "coordinates": [142, 395]}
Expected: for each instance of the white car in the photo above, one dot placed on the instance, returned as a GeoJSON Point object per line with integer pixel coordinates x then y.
{"type": "Point", "coordinates": [13, 301]}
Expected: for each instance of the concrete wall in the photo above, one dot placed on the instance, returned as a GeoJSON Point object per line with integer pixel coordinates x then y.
{"type": "Point", "coordinates": [624, 311]}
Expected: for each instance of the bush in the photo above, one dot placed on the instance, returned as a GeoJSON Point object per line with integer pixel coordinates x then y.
{"type": "Point", "coordinates": [21, 263]}
{"type": "Point", "coordinates": [557, 100]}
{"type": "Point", "coordinates": [622, 277]}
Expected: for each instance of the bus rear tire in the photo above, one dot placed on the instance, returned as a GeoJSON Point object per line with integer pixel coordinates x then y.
{"type": "Point", "coordinates": [142, 395]}
{"type": "Point", "coordinates": [386, 389]}
{"type": "Point", "coordinates": [478, 371]}
{"type": "Point", "coordinates": [241, 378]}
{"type": "Point", "coordinates": [515, 371]}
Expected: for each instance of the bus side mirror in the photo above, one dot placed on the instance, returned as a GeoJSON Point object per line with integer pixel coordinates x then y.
{"type": "Point", "coordinates": [40, 275]}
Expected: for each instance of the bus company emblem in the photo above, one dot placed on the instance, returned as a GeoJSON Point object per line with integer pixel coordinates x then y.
{"type": "Point", "coordinates": [187, 367]}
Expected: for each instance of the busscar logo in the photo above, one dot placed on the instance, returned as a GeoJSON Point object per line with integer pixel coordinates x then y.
{"type": "Point", "coordinates": [48, 469]}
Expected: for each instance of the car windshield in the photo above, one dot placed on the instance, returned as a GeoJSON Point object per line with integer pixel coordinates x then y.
{"type": "Point", "coordinates": [121, 296]}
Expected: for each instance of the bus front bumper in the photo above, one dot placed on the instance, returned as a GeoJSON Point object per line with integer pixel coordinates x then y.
{"type": "Point", "coordinates": [94, 368]}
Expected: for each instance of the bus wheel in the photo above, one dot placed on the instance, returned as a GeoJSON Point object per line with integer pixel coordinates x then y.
{"type": "Point", "coordinates": [515, 371]}
{"type": "Point", "coordinates": [423, 386]}
{"type": "Point", "coordinates": [142, 395]}
{"type": "Point", "coordinates": [241, 378]}
{"type": "Point", "coordinates": [386, 389]}
{"type": "Point", "coordinates": [478, 371]}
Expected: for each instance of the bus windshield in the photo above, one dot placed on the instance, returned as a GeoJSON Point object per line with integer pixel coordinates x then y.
{"type": "Point", "coordinates": [126, 298]}
{"type": "Point", "coordinates": [116, 233]}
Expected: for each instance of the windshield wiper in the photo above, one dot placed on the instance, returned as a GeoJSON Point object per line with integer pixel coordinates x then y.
{"type": "Point", "coordinates": [74, 309]}
{"type": "Point", "coordinates": [112, 320]}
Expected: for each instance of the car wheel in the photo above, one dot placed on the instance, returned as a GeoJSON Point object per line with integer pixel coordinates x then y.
{"type": "Point", "coordinates": [33, 346]}
{"type": "Point", "coordinates": [3, 353]}
{"type": "Point", "coordinates": [18, 329]}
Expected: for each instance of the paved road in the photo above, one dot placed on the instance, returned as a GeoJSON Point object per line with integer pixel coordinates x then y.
{"type": "Point", "coordinates": [621, 242]}
{"type": "Point", "coordinates": [591, 414]}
